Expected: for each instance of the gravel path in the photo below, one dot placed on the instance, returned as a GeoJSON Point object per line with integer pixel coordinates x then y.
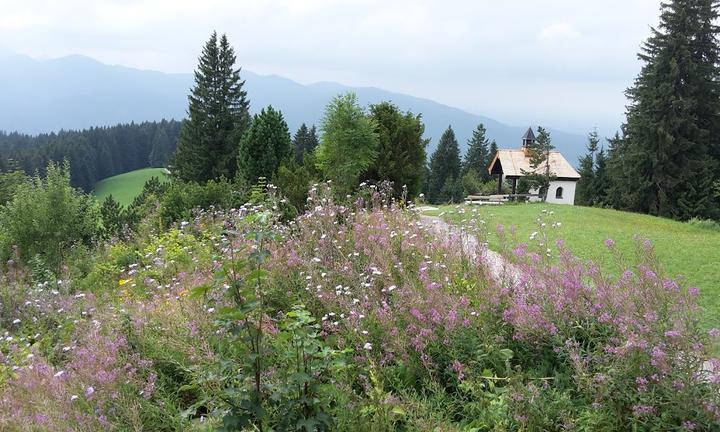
{"type": "Point", "coordinates": [500, 269]}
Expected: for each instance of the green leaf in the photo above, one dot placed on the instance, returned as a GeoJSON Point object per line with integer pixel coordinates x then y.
{"type": "Point", "coordinates": [199, 291]}
{"type": "Point", "coordinates": [231, 313]}
{"type": "Point", "coordinates": [506, 354]}
{"type": "Point", "coordinates": [300, 378]}
{"type": "Point", "coordinates": [398, 411]}
{"type": "Point", "coordinates": [257, 275]}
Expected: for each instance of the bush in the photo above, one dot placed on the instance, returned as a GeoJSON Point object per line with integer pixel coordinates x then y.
{"type": "Point", "coordinates": [181, 198]}
{"type": "Point", "coordinates": [707, 224]}
{"type": "Point", "coordinates": [293, 182]}
{"type": "Point", "coordinates": [46, 216]}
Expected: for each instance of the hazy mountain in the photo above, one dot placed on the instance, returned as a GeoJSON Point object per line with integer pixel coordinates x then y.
{"type": "Point", "coordinates": [78, 92]}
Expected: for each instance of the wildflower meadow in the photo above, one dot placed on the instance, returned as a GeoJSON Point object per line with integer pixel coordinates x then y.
{"type": "Point", "coordinates": [354, 316]}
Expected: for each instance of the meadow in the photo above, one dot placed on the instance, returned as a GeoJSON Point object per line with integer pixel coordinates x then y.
{"type": "Point", "coordinates": [354, 316]}
{"type": "Point", "coordinates": [683, 249]}
{"type": "Point", "coordinates": [125, 187]}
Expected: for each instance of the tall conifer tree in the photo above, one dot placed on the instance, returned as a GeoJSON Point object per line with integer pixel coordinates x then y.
{"type": "Point", "coordinates": [401, 148]}
{"type": "Point", "coordinates": [584, 194]}
{"type": "Point", "coordinates": [444, 169]}
{"type": "Point", "coordinates": [478, 154]}
{"type": "Point", "coordinates": [669, 156]}
{"type": "Point", "coordinates": [217, 116]}
{"type": "Point", "coordinates": [304, 141]}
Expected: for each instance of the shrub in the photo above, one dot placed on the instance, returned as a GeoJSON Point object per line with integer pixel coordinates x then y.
{"type": "Point", "coordinates": [181, 198]}
{"type": "Point", "coordinates": [293, 182]}
{"type": "Point", "coordinates": [707, 224]}
{"type": "Point", "coordinates": [47, 216]}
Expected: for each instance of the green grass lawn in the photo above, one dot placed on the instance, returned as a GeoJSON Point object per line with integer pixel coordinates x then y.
{"type": "Point", "coordinates": [125, 187]}
{"type": "Point", "coordinates": [682, 249]}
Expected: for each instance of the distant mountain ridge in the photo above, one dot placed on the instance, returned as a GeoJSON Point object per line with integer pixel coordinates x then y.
{"type": "Point", "coordinates": [77, 92]}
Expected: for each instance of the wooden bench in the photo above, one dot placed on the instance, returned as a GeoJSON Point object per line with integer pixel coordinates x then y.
{"type": "Point", "coordinates": [486, 199]}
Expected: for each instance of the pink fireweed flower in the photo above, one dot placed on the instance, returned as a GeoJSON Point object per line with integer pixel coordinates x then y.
{"type": "Point", "coordinates": [459, 368]}
{"type": "Point", "coordinates": [642, 410]}
{"type": "Point", "coordinates": [672, 334]}
{"type": "Point", "coordinates": [641, 384]}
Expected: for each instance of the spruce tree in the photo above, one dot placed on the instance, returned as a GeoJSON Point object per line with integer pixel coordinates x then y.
{"type": "Point", "coordinates": [444, 168]}
{"type": "Point", "coordinates": [112, 216]}
{"type": "Point", "coordinates": [217, 117]}
{"type": "Point", "coordinates": [160, 148]}
{"type": "Point", "coordinates": [265, 146]}
{"type": "Point", "coordinates": [669, 158]}
{"type": "Point", "coordinates": [478, 154]}
{"type": "Point", "coordinates": [601, 183]}
{"type": "Point", "coordinates": [493, 152]}
{"type": "Point", "coordinates": [304, 141]}
{"type": "Point", "coordinates": [585, 191]}
{"type": "Point", "coordinates": [401, 148]}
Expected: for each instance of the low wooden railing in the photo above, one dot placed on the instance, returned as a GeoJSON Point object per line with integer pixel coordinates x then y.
{"type": "Point", "coordinates": [497, 199]}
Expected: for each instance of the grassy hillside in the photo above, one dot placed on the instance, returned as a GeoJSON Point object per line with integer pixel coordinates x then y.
{"type": "Point", "coordinates": [683, 249]}
{"type": "Point", "coordinates": [125, 187]}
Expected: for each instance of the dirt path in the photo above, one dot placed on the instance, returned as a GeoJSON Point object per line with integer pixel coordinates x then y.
{"type": "Point", "coordinates": [500, 269]}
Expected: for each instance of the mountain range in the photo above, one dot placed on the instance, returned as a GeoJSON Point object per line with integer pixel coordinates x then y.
{"type": "Point", "coordinates": [76, 92]}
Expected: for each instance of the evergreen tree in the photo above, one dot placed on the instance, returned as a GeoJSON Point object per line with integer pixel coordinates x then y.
{"type": "Point", "coordinates": [585, 191]}
{"type": "Point", "coordinates": [112, 216]}
{"type": "Point", "coordinates": [601, 182]}
{"type": "Point", "coordinates": [493, 150]}
{"type": "Point", "coordinates": [401, 148]}
{"type": "Point", "coordinates": [617, 176]}
{"type": "Point", "coordinates": [348, 145]}
{"type": "Point", "coordinates": [217, 117]}
{"type": "Point", "coordinates": [161, 148]}
{"type": "Point", "coordinates": [540, 175]}
{"type": "Point", "coordinates": [265, 146]}
{"type": "Point", "coordinates": [444, 168]}
{"type": "Point", "coordinates": [9, 183]}
{"type": "Point", "coordinates": [305, 141]}
{"type": "Point", "coordinates": [670, 154]}
{"type": "Point", "coordinates": [478, 154]}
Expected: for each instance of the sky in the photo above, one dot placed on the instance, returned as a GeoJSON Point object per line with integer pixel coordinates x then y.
{"type": "Point", "coordinates": [559, 63]}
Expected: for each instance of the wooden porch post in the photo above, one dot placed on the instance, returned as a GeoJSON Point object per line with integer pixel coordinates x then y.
{"type": "Point", "coordinates": [514, 188]}
{"type": "Point", "coordinates": [499, 183]}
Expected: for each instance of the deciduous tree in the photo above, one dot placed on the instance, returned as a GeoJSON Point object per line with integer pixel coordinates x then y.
{"type": "Point", "coordinates": [348, 145]}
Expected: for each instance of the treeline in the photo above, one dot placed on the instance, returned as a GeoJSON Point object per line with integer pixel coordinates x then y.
{"type": "Point", "coordinates": [93, 154]}
{"type": "Point", "coordinates": [666, 160]}
{"type": "Point", "coordinates": [220, 141]}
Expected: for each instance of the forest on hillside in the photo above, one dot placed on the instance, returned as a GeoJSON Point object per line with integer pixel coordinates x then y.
{"type": "Point", "coordinates": [93, 154]}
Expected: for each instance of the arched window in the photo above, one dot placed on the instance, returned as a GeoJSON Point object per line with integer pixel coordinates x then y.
{"type": "Point", "coordinates": [558, 193]}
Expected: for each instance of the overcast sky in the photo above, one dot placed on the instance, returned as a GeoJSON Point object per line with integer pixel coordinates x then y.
{"type": "Point", "coordinates": [561, 63]}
